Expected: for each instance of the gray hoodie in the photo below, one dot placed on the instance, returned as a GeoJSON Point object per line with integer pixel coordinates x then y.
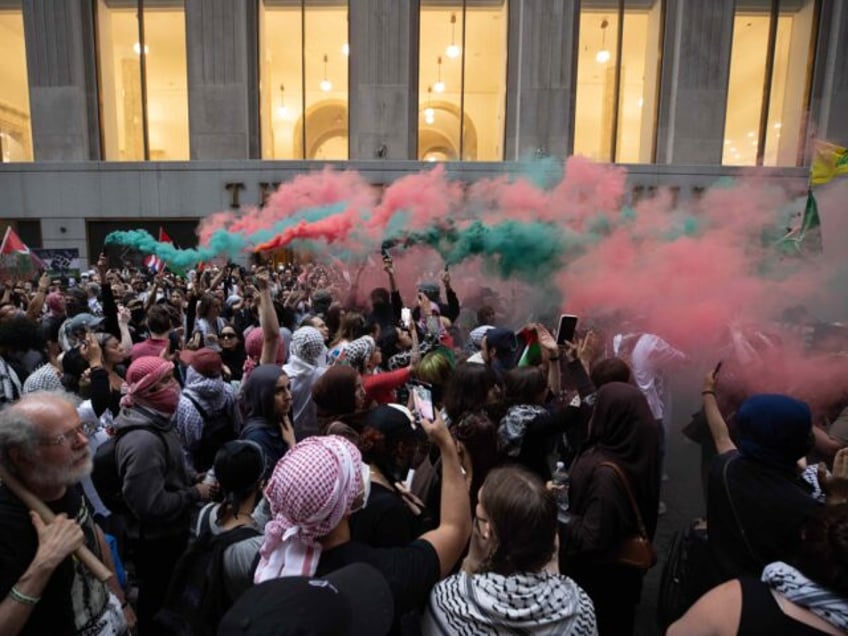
{"type": "Point", "coordinates": [157, 486]}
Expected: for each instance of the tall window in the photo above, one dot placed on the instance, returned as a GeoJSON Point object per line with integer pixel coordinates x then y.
{"type": "Point", "coordinates": [768, 91]}
{"type": "Point", "coordinates": [143, 80]}
{"type": "Point", "coordinates": [462, 80]}
{"type": "Point", "coordinates": [304, 79]}
{"type": "Point", "coordinates": [15, 126]}
{"type": "Point", "coordinates": [617, 79]}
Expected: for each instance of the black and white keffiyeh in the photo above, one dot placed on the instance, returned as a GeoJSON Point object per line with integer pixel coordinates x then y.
{"type": "Point", "coordinates": [802, 591]}
{"type": "Point", "coordinates": [513, 426]}
{"type": "Point", "coordinates": [525, 603]}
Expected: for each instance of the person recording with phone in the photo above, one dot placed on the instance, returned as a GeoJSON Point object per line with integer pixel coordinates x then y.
{"type": "Point", "coordinates": [390, 442]}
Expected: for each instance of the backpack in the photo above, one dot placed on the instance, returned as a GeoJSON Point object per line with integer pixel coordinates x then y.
{"type": "Point", "coordinates": [107, 480]}
{"type": "Point", "coordinates": [687, 573]}
{"type": "Point", "coordinates": [217, 431]}
{"type": "Point", "coordinates": [197, 598]}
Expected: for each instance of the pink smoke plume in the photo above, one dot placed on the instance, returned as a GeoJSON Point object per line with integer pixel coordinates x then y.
{"type": "Point", "coordinates": [691, 271]}
{"type": "Point", "coordinates": [427, 197]}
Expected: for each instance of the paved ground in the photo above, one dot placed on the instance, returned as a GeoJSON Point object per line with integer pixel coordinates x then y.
{"type": "Point", "coordinates": [682, 495]}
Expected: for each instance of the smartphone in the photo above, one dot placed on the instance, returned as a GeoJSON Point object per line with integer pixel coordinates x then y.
{"type": "Point", "coordinates": [717, 368]}
{"type": "Point", "coordinates": [387, 257]}
{"type": "Point", "coordinates": [422, 399]}
{"type": "Point", "coordinates": [406, 317]}
{"type": "Point", "coordinates": [567, 326]}
{"type": "Point", "coordinates": [173, 342]}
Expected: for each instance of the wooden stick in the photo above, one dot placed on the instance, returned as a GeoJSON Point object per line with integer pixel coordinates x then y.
{"type": "Point", "coordinates": [86, 556]}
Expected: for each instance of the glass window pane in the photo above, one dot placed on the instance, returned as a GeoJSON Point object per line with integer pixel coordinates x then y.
{"type": "Point", "coordinates": [442, 54]}
{"type": "Point", "coordinates": [286, 93]}
{"type": "Point", "coordinates": [596, 64]}
{"type": "Point", "coordinates": [281, 85]}
{"type": "Point", "coordinates": [485, 81]}
{"type": "Point", "coordinates": [15, 125]}
{"type": "Point", "coordinates": [789, 84]}
{"type": "Point", "coordinates": [745, 88]}
{"type": "Point", "coordinates": [439, 81]}
{"type": "Point", "coordinates": [120, 83]}
{"type": "Point", "coordinates": [325, 80]}
{"type": "Point", "coordinates": [167, 81]}
{"type": "Point", "coordinates": [637, 106]}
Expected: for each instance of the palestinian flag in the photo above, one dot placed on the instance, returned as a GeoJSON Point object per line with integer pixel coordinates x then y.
{"type": "Point", "coordinates": [531, 356]}
{"type": "Point", "coordinates": [15, 256]}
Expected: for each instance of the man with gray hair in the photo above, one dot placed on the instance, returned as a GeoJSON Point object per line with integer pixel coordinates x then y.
{"type": "Point", "coordinates": [43, 589]}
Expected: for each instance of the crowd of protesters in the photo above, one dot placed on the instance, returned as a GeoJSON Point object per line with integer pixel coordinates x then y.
{"type": "Point", "coordinates": [343, 467]}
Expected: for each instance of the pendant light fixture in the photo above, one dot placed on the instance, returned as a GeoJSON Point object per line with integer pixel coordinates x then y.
{"type": "Point", "coordinates": [429, 112]}
{"type": "Point", "coordinates": [282, 109]}
{"type": "Point", "coordinates": [603, 55]}
{"type": "Point", "coordinates": [326, 85]}
{"type": "Point", "coordinates": [439, 86]}
{"type": "Point", "coordinates": [453, 50]}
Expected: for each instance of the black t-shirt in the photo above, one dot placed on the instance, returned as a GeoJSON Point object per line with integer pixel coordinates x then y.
{"type": "Point", "coordinates": [770, 505]}
{"type": "Point", "coordinates": [385, 522]}
{"type": "Point", "coordinates": [54, 613]}
{"type": "Point", "coordinates": [411, 571]}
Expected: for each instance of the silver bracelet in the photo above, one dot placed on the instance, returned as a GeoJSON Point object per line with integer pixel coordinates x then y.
{"type": "Point", "coordinates": [20, 597]}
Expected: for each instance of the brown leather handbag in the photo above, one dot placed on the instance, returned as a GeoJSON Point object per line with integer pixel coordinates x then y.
{"type": "Point", "coordinates": [636, 551]}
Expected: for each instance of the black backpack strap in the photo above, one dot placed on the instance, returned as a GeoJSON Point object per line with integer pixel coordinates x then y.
{"type": "Point", "coordinates": [739, 525]}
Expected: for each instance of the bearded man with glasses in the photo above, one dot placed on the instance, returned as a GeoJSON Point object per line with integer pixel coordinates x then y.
{"type": "Point", "coordinates": [44, 590]}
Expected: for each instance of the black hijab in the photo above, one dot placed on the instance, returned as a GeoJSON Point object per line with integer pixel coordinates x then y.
{"type": "Point", "coordinates": [623, 431]}
{"type": "Point", "coordinates": [259, 393]}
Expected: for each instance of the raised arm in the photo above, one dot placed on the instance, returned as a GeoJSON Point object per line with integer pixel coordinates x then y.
{"type": "Point", "coordinates": [451, 537]}
{"type": "Point", "coordinates": [268, 320]}
{"type": "Point", "coordinates": [715, 420]}
{"type": "Point", "coordinates": [35, 306]}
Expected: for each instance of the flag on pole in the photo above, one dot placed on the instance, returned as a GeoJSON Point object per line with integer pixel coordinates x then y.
{"type": "Point", "coordinates": [153, 262]}
{"type": "Point", "coordinates": [806, 232]}
{"type": "Point", "coordinates": [15, 254]}
{"type": "Point", "coordinates": [829, 161]}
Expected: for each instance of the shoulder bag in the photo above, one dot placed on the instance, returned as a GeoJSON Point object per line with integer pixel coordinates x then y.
{"type": "Point", "coordinates": [635, 551]}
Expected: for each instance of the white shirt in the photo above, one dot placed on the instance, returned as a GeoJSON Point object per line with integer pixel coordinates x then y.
{"type": "Point", "coordinates": [650, 357]}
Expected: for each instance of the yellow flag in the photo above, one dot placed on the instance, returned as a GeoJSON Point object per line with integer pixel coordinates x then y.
{"type": "Point", "coordinates": [829, 160]}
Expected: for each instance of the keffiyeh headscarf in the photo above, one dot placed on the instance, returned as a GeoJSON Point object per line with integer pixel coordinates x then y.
{"type": "Point", "coordinates": [310, 491]}
{"type": "Point", "coordinates": [357, 352]}
{"type": "Point", "coordinates": [143, 374]}
{"type": "Point", "coordinates": [308, 345]}
{"type": "Point", "coordinates": [805, 592]}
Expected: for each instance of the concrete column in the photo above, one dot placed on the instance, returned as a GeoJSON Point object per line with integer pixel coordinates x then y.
{"type": "Point", "coordinates": [223, 95]}
{"type": "Point", "coordinates": [829, 103]}
{"type": "Point", "coordinates": [62, 80]}
{"type": "Point", "coordinates": [383, 68]}
{"type": "Point", "coordinates": [541, 77]}
{"type": "Point", "coordinates": [696, 67]}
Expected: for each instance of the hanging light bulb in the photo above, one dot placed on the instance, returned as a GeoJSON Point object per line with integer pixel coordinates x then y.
{"type": "Point", "coordinates": [439, 86]}
{"type": "Point", "coordinates": [326, 85]}
{"type": "Point", "coordinates": [429, 112]}
{"type": "Point", "coordinates": [282, 109]}
{"type": "Point", "coordinates": [603, 56]}
{"type": "Point", "coordinates": [346, 49]}
{"type": "Point", "coordinates": [137, 49]}
{"type": "Point", "coordinates": [453, 50]}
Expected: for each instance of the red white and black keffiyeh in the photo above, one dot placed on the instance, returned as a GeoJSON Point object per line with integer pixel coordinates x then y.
{"type": "Point", "coordinates": [311, 490]}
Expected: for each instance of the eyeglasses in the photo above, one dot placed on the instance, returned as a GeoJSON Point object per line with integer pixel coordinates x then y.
{"type": "Point", "coordinates": [67, 436]}
{"type": "Point", "coordinates": [227, 336]}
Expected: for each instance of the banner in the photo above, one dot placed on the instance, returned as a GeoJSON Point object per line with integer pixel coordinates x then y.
{"type": "Point", "coordinates": [60, 262]}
